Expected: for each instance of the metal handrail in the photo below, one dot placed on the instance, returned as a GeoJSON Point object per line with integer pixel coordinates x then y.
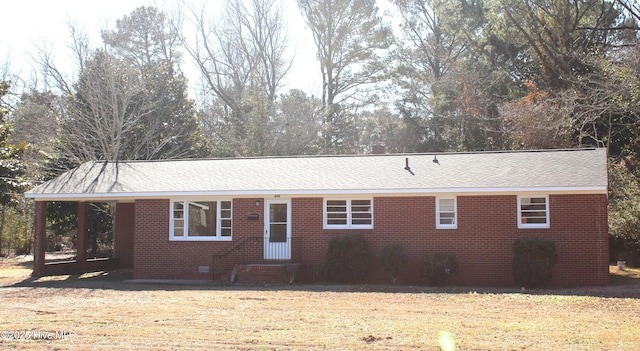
{"type": "Point", "coordinates": [256, 256]}
{"type": "Point", "coordinates": [234, 247]}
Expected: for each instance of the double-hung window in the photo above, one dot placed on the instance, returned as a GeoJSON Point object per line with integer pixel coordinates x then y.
{"type": "Point", "coordinates": [533, 212]}
{"type": "Point", "coordinates": [348, 213]}
{"type": "Point", "coordinates": [446, 213]}
{"type": "Point", "coordinates": [201, 220]}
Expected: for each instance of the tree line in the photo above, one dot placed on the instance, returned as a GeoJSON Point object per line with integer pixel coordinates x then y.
{"type": "Point", "coordinates": [432, 75]}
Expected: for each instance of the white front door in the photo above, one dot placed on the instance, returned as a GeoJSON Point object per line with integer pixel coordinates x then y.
{"type": "Point", "coordinates": [277, 229]}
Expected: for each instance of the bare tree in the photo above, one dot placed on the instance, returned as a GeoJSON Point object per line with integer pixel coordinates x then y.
{"type": "Point", "coordinates": [607, 110]}
{"type": "Point", "coordinates": [351, 40]}
{"type": "Point", "coordinates": [538, 121]}
{"type": "Point", "coordinates": [561, 34]}
{"type": "Point", "coordinates": [600, 109]}
{"type": "Point", "coordinates": [241, 58]}
{"type": "Point", "coordinates": [632, 8]}
{"type": "Point", "coordinates": [112, 111]}
{"type": "Point", "coordinates": [106, 105]}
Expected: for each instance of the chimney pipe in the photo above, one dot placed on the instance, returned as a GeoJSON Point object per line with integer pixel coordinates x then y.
{"type": "Point", "coordinates": [378, 149]}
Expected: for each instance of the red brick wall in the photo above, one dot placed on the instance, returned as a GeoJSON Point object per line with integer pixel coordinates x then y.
{"type": "Point", "coordinates": [156, 257]}
{"type": "Point", "coordinates": [487, 227]}
{"type": "Point", "coordinates": [580, 229]}
{"type": "Point", "coordinates": [123, 237]}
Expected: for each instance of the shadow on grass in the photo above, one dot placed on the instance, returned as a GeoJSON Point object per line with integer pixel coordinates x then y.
{"type": "Point", "coordinates": [24, 264]}
{"type": "Point", "coordinates": [26, 261]}
{"type": "Point", "coordinates": [623, 285]}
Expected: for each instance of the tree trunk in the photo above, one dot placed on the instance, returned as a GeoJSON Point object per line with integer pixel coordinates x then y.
{"type": "Point", "coordinates": [2, 217]}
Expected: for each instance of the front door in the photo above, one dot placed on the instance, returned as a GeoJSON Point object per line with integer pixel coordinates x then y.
{"type": "Point", "coordinates": [277, 229]}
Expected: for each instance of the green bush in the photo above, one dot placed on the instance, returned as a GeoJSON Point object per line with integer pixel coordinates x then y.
{"type": "Point", "coordinates": [437, 267]}
{"type": "Point", "coordinates": [623, 249]}
{"type": "Point", "coordinates": [393, 259]}
{"type": "Point", "coordinates": [17, 234]}
{"type": "Point", "coordinates": [533, 260]}
{"type": "Point", "coordinates": [348, 258]}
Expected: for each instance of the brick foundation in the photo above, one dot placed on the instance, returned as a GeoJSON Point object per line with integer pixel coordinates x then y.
{"type": "Point", "coordinates": [265, 273]}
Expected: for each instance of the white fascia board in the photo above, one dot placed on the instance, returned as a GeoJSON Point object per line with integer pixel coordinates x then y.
{"type": "Point", "coordinates": [323, 192]}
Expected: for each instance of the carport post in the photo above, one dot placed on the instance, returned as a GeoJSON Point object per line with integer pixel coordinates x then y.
{"type": "Point", "coordinates": [82, 236]}
{"type": "Point", "coordinates": [40, 238]}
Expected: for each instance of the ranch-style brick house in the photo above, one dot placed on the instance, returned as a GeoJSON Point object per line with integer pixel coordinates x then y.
{"type": "Point", "coordinates": [254, 219]}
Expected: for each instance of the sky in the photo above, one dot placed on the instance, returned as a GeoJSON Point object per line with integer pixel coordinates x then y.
{"type": "Point", "coordinates": [27, 24]}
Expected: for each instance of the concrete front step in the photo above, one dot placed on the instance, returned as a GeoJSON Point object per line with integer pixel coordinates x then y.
{"type": "Point", "coordinates": [265, 273]}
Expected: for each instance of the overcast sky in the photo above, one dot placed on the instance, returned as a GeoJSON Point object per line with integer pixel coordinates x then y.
{"type": "Point", "coordinates": [30, 23]}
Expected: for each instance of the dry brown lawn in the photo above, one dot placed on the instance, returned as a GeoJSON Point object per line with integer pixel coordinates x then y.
{"type": "Point", "coordinates": [102, 311]}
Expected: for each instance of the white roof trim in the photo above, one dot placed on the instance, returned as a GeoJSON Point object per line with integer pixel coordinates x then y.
{"type": "Point", "coordinates": [327, 192]}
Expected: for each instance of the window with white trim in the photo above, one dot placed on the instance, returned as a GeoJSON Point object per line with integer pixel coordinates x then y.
{"type": "Point", "coordinates": [201, 220]}
{"type": "Point", "coordinates": [446, 213]}
{"type": "Point", "coordinates": [533, 212]}
{"type": "Point", "coordinates": [348, 213]}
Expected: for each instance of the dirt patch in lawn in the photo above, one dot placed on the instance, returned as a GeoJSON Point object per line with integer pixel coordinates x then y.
{"type": "Point", "coordinates": [102, 311]}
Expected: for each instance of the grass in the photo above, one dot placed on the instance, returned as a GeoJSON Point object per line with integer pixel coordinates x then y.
{"type": "Point", "coordinates": [102, 311]}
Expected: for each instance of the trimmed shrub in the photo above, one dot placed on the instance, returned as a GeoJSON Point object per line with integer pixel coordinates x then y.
{"type": "Point", "coordinates": [437, 267]}
{"type": "Point", "coordinates": [533, 260]}
{"type": "Point", "coordinates": [348, 258]}
{"type": "Point", "coordinates": [393, 259]}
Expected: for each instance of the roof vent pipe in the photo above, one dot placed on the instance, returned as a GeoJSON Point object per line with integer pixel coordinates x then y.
{"type": "Point", "coordinates": [406, 167]}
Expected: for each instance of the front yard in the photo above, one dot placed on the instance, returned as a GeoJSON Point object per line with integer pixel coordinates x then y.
{"type": "Point", "coordinates": [104, 312]}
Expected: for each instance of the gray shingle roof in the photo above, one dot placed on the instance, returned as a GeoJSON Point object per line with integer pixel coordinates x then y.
{"type": "Point", "coordinates": [550, 170]}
